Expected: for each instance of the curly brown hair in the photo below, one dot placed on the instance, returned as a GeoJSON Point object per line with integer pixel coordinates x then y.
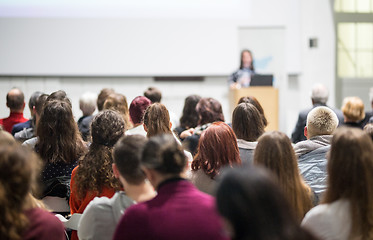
{"type": "Point", "coordinates": [95, 169]}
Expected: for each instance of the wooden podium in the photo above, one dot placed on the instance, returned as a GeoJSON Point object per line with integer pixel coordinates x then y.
{"type": "Point", "coordinates": [267, 97]}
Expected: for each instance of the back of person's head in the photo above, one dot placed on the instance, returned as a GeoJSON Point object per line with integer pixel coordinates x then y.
{"type": "Point", "coordinates": [353, 109]}
{"type": "Point", "coordinates": [350, 169]}
{"type": "Point", "coordinates": [59, 95]}
{"type": "Point", "coordinates": [95, 169]}
{"type": "Point", "coordinates": [101, 98]}
{"type": "Point", "coordinates": [154, 94]}
{"type": "Point", "coordinates": [255, 102]}
{"type": "Point", "coordinates": [127, 157]}
{"type": "Point", "coordinates": [217, 147]}
{"type": "Point", "coordinates": [118, 102]}
{"type": "Point", "coordinates": [6, 138]}
{"type": "Point", "coordinates": [15, 100]}
{"type": "Point", "coordinates": [39, 104]}
{"type": "Point", "coordinates": [58, 134]}
{"type": "Point", "coordinates": [87, 103]}
{"type": "Point", "coordinates": [252, 203]}
{"type": "Point", "coordinates": [275, 152]}
{"type": "Point", "coordinates": [319, 94]}
{"type": "Point", "coordinates": [137, 108]}
{"type": "Point", "coordinates": [247, 122]}
{"type": "Point", "coordinates": [33, 99]}
{"type": "Point", "coordinates": [157, 120]}
{"type": "Point", "coordinates": [163, 154]}
{"type": "Point", "coordinates": [19, 168]}
{"type": "Point", "coordinates": [369, 129]}
{"type": "Point", "coordinates": [209, 110]}
{"type": "Point", "coordinates": [321, 121]}
{"type": "Point", "coordinates": [190, 118]}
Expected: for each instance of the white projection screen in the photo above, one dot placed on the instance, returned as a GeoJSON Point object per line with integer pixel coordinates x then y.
{"type": "Point", "coordinates": [120, 38]}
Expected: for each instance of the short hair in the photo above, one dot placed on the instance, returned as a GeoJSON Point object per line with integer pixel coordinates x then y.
{"type": "Point", "coordinates": [217, 147]}
{"type": "Point", "coordinates": [319, 94]}
{"type": "Point", "coordinates": [256, 103]}
{"type": "Point", "coordinates": [321, 121]}
{"type": "Point", "coordinates": [353, 109]}
{"type": "Point", "coordinates": [33, 98]}
{"type": "Point", "coordinates": [157, 120]}
{"type": "Point", "coordinates": [15, 99]}
{"type": "Point", "coordinates": [87, 103]}
{"type": "Point", "coordinates": [101, 98]}
{"type": "Point", "coordinates": [247, 122]}
{"type": "Point", "coordinates": [6, 138]}
{"type": "Point", "coordinates": [209, 111]}
{"type": "Point", "coordinates": [127, 156]}
{"type": "Point", "coordinates": [369, 129]}
{"type": "Point", "coordinates": [163, 154]}
{"type": "Point", "coordinates": [39, 104]}
{"type": "Point", "coordinates": [137, 108]}
{"type": "Point", "coordinates": [154, 94]}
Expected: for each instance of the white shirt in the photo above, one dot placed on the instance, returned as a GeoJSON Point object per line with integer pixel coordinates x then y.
{"type": "Point", "coordinates": [102, 215]}
{"type": "Point", "coordinates": [329, 221]}
{"type": "Point", "coordinates": [137, 130]}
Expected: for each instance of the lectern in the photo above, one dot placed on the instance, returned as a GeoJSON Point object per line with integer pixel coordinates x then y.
{"type": "Point", "coordinates": [267, 97]}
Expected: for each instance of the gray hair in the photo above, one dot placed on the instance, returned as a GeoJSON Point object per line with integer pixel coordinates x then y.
{"type": "Point", "coordinates": [321, 121]}
{"type": "Point", "coordinates": [87, 103]}
{"type": "Point", "coordinates": [320, 93]}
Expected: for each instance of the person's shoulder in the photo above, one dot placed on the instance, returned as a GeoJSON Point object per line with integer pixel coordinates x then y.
{"type": "Point", "coordinates": [44, 223]}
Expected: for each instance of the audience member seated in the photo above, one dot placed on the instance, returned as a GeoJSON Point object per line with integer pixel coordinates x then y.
{"type": "Point", "coordinates": [59, 145]}
{"type": "Point", "coordinates": [353, 112]}
{"type": "Point", "coordinates": [31, 122]}
{"type": "Point", "coordinates": [5, 137]}
{"type": "Point", "coordinates": [15, 101]}
{"type": "Point", "coordinates": [179, 211]}
{"type": "Point", "coordinates": [346, 212]}
{"type": "Point", "coordinates": [255, 102]}
{"type": "Point", "coordinates": [247, 124]}
{"type": "Point", "coordinates": [190, 118]}
{"type": "Point", "coordinates": [155, 96]}
{"type": "Point", "coordinates": [102, 96]}
{"type": "Point", "coordinates": [87, 103]}
{"type": "Point", "coordinates": [209, 110]}
{"type": "Point", "coordinates": [319, 97]}
{"type": "Point", "coordinates": [29, 133]}
{"type": "Point", "coordinates": [369, 129]}
{"type": "Point", "coordinates": [118, 102]}
{"type": "Point", "coordinates": [21, 215]}
{"type": "Point", "coordinates": [217, 148]}
{"type": "Point", "coordinates": [274, 151]}
{"type": "Point", "coordinates": [102, 214]}
{"type": "Point", "coordinates": [311, 153]}
{"type": "Point", "coordinates": [253, 207]}
{"type": "Point", "coordinates": [137, 109]}
{"type": "Point", "coordinates": [94, 176]}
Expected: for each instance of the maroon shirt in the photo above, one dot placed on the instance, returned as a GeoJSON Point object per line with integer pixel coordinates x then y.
{"type": "Point", "coordinates": [179, 211]}
{"type": "Point", "coordinates": [13, 119]}
{"type": "Point", "coordinates": [43, 226]}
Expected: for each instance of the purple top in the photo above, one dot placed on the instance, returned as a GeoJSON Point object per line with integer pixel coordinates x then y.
{"type": "Point", "coordinates": [179, 211]}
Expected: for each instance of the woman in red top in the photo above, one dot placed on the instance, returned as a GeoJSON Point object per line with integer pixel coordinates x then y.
{"type": "Point", "coordinates": [94, 176]}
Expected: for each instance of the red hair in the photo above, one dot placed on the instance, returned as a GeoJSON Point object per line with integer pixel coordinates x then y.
{"type": "Point", "coordinates": [217, 147]}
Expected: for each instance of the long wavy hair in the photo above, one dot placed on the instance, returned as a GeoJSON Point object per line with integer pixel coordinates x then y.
{"type": "Point", "coordinates": [350, 169]}
{"type": "Point", "coordinates": [19, 167]}
{"type": "Point", "coordinates": [275, 152]}
{"type": "Point", "coordinates": [190, 118]}
{"type": "Point", "coordinates": [118, 102]}
{"type": "Point", "coordinates": [59, 139]}
{"type": "Point", "coordinates": [95, 169]}
{"type": "Point", "coordinates": [157, 120]}
{"type": "Point", "coordinates": [217, 147]}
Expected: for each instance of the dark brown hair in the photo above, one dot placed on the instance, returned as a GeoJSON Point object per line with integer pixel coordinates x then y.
{"type": "Point", "coordinates": [153, 94]}
{"type": "Point", "coordinates": [252, 61]}
{"type": "Point", "coordinates": [255, 102]}
{"type": "Point", "coordinates": [157, 120]}
{"type": "Point", "coordinates": [15, 100]}
{"type": "Point", "coordinates": [209, 110]}
{"type": "Point", "coordinates": [247, 122]}
{"type": "Point", "coordinates": [350, 169]}
{"type": "Point", "coordinates": [190, 118]}
{"type": "Point", "coordinates": [127, 156]}
{"type": "Point", "coordinates": [217, 147]}
{"type": "Point", "coordinates": [95, 169]}
{"type": "Point", "coordinates": [275, 152]}
{"type": "Point", "coordinates": [59, 139]}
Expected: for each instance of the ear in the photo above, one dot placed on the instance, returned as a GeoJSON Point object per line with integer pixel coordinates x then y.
{"type": "Point", "coordinates": [24, 105]}
{"type": "Point", "coordinates": [305, 132]}
{"type": "Point", "coordinates": [150, 175]}
{"type": "Point", "coordinates": [115, 170]}
{"type": "Point", "coordinates": [170, 125]}
{"type": "Point", "coordinates": [145, 128]}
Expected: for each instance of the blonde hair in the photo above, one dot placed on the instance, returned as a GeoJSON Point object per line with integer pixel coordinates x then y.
{"type": "Point", "coordinates": [353, 109]}
{"type": "Point", "coordinates": [321, 121]}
